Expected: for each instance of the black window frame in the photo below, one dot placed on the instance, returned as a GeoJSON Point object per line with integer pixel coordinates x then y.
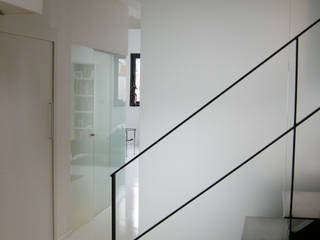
{"type": "Point", "coordinates": [133, 58]}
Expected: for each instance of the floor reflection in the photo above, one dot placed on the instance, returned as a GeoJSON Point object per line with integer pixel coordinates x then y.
{"type": "Point", "coordinates": [99, 228]}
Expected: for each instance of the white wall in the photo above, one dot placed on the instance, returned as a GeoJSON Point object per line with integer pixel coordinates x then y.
{"type": "Point", "coordinates": [191, 50]}
{"type": "Point", "coordinates": [100, 25]}
{"type": "Point", "coordinates": [134, 42]}
{"type": "Point", "coordinates": [107, 32]}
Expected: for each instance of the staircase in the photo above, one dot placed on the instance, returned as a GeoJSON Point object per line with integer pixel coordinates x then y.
{"type": "Point", "coordinates": [306, 212]}
{"type": "Point", "coordinates": [301, 210]}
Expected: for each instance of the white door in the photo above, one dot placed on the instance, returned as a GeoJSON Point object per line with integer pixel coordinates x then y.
{"type": "Point", "coordinates": [26, 205]}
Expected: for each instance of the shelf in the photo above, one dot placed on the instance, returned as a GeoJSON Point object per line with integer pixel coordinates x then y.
{"type": "Point", "coordinates": [83, 79]}
{"type": "Point", "coordinates": [83, 95]}
{"type": "Point", "coordinates": [80, 111]}
{"type": "Point", "coordinates": [79, 156]}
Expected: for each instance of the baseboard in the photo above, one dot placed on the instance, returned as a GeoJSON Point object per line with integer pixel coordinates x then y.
{"type": "Point", "coordinates": [65, 235]}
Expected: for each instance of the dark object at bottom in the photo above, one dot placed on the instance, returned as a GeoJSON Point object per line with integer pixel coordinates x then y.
{"type": "Point", "coordinates": [311, 232]}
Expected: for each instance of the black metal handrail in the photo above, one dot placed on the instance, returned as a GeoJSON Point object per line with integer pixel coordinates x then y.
{"type": "Point", "coordinates": [214, 99]}
{"type": "Point", "coordinates": [293, 128]}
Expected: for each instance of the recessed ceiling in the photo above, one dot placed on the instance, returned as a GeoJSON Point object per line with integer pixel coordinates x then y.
{"type": "Point", "coordinates": [134, 7]}
{"type": "Point", "coordinates": [134, 12]}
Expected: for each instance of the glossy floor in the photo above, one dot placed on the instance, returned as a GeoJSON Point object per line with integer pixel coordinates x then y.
{"type": "Point", "coordinates": [99, 228]}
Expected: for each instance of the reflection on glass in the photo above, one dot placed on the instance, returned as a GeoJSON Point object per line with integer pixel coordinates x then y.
{"type": "Point", "coordinates": [122, 78]}
{"type": "Point", "coordinates": [135, 80]}
{"type": "Point", "coordinates": [138, 79]}
{"type": "Point", "coordinates": [97, 132]}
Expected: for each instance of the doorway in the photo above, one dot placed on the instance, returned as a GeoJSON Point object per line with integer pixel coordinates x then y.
{"type": "Point", "coordinates": [26, 146]}
{"type": "Point", "coordinates": [98, 85]}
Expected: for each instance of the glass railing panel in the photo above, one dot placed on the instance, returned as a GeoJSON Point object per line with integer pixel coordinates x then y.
{"type": "Point", "coordinates": [247, 205]}
{"type": "Point", "coordinates": [189, 160]}
{"type": "Point", "coordinates": [306, 200]}
{"type": "Point", "coordinates": [255, 200]}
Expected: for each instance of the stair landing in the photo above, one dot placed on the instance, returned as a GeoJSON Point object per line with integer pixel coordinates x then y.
{"type": "Point", "coordinates": [264, 228]}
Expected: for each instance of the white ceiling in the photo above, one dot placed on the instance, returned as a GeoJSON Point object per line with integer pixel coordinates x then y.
{"type": "Point", "coordinates": [134, 7]}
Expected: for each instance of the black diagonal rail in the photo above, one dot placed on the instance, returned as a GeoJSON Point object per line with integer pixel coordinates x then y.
{"type": "Point", "coordinates": [113, 175]}
{"type": "Point", "coordinates": [231, 172]}
{"type": "Point", "coordinates": [215, 98]}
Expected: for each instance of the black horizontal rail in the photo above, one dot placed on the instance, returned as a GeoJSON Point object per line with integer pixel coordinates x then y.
{"type": "Point", "coordinates": [229, 173]}
{"type": "Point", "coordinates": [216, 97]}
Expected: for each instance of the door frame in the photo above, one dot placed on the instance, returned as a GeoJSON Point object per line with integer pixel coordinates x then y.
{"type": "Point", "coordinates": [46, 35]}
